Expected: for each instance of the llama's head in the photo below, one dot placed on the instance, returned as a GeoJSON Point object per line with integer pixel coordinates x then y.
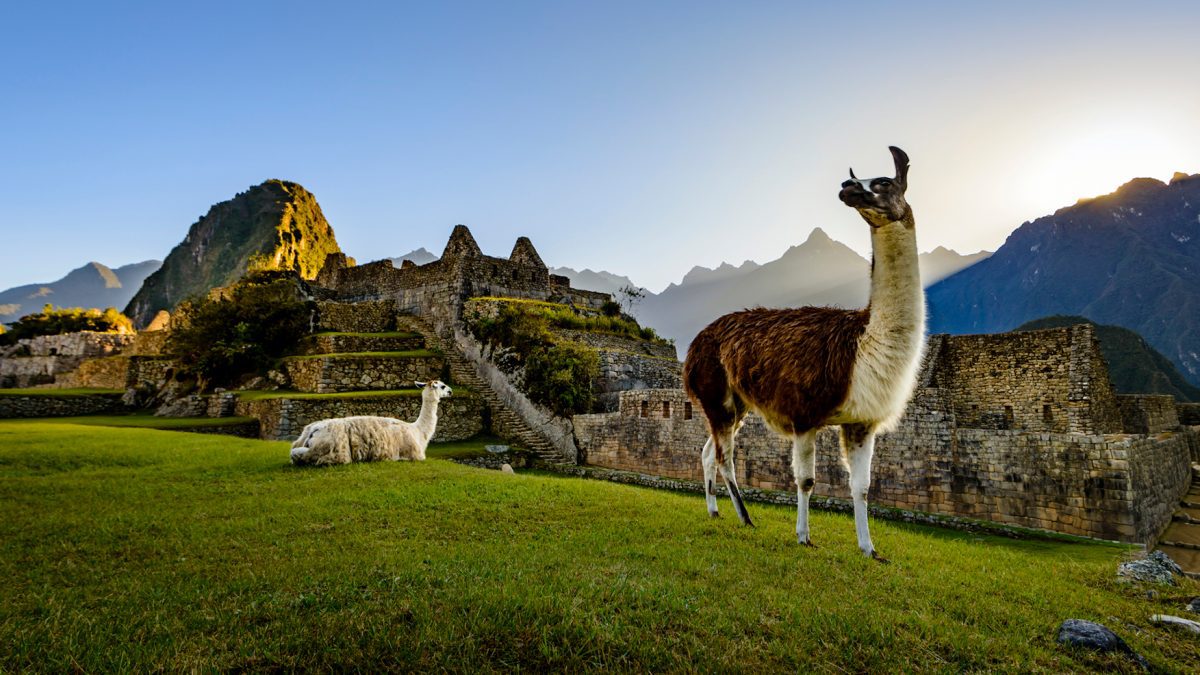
{"type": "Point", "coordinates": [436, 389]}
{"type": "Point", "coordinates": [880, 200]}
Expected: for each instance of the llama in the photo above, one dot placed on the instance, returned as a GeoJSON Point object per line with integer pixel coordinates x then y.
{"type": "Point", "coordinates": [801, 369]}
{"type": "Point", "coordinates": [368, 439]}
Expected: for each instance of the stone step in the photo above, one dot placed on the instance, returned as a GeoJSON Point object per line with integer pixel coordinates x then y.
{"type": "Point", "coordinates": [505, 422]}
{"type": "Point", "coordinates": [1182, 534]}
{"type": "Point", "coordinates": [334, 343]}
{"type": "Point", "coordinates": [1188, 514]}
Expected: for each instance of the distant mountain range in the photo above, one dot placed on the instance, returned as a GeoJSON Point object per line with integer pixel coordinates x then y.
{"type": "Point", "coordinates": [93, 285]}
{"type": "Point", "coordinates": [1130, 259]}
{"type": "Point", "coordinates": [418, 257]}
{"type": "Point", "coordinates": [1133, 365]}
{"type": "Point", "coordinates": [821, 271]}
{"type": "Point", "coordinates": [275, 225]}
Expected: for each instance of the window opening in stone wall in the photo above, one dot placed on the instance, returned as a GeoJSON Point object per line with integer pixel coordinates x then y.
{"type": "Point", "coordinates": [666, 409]}
{"type": "Point", "coordinates": [687, 411]}
{"type": "Point", "coordinates": [1008, 417]}
{"type": "Point", "coordinates": [645, 408]}
{"type": "Point", "coordinates": [514, 275]}
{"type": "Point", "coordinates": [1047, 413]}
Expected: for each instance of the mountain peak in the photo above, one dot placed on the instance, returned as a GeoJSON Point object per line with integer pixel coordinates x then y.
{"type": "Point", "coordinates": [818, 236]}
{"type": "Point", "coordinates": [277, 223]}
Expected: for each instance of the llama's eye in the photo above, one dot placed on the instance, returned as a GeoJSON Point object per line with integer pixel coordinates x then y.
{"type": "Point", "coordinates": [848, 183]}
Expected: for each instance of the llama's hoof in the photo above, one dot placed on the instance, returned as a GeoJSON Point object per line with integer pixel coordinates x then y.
{"type": "Point", "coordinates": [713, 514]}
{"type": "Point", "coordinates": [808, 543]}
{"type": "Point", "coordinates": [880, 559]}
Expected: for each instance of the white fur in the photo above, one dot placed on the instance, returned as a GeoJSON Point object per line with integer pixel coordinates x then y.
{"type": "Point", "coordinates": [366, 438]}
{"type": "Point", "coordinates": [890, 350]}
{"type": "Point", "coordinates": [859, 458]}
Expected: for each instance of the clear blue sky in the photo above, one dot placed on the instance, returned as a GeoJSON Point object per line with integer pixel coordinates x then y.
{"type": "Point", "coordinates": [640, 137]}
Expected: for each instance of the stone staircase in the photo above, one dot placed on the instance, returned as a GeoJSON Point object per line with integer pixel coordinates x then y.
{"type": "Point", "coordinates": [505, 422]}
{"type": "Point", "coordinates": [1181, 540]}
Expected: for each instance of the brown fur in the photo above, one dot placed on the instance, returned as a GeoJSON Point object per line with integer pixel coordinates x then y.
{"type": "Point", "coordinates": [792, 366]}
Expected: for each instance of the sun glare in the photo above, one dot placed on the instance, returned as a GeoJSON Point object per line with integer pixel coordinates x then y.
{"type": "Point", "coordinates": [1093, 159]}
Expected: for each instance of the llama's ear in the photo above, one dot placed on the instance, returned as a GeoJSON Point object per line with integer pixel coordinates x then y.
{"type": "Point", "coordinates": [852, 174]}
{"type": "Point", "coordinates": [901, 159]}
{"type": "Point", "coordinates": [420, 384]}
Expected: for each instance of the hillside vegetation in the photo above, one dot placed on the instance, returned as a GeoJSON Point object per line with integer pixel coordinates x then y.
{"type": "Point", "coordinates": [134, 549]}
{"type": "Point", "coordinates": [277, 225]}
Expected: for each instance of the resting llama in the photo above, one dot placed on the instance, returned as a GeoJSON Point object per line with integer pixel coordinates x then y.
{"type": "Point", "coordinates": [802, 369]}
{"type": "Point", "coordinates": [371, 439]}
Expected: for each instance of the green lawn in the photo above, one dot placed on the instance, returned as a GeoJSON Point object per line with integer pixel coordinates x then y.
{"type": "Point", "coordinates": [136, 549]}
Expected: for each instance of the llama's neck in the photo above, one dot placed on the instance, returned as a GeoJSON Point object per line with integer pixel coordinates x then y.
{"type": "Point", "coordinates": [897, 300]}
{"type": "Point", "coordinates": [427, 421]}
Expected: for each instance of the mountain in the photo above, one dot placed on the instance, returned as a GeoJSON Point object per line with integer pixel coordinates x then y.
{"type": "Point", "coordinates": [91, 286]}
{"type": "Point", "coordinates": [603, 282]}
{"type": "Point", "coordinates": [275, 225]}
{"type": "Point", "coordinates": [1130, 259]}
{"type": "Point", "coordinates": [1134, 366]}
{"type": "Point", "coordinates": [821, 271]}
{"type": "Point", "coordinates": [419, 257]}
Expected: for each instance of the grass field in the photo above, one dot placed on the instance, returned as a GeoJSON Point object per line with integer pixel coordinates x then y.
{"type": "Point", "coordinates": [136, 549]}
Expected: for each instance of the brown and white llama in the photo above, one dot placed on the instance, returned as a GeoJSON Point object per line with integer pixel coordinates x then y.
{"type": "Point", "coordinates": [802, 369]}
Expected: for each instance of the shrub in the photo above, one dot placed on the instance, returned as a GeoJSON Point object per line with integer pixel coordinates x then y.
{"type": "Point", "coordinates": [56, 321]}
{"type": "Point", "coordinates": [561, 376]}
{"type": "Point", "coordinates": [610, 308]}
{"type": "Point", "coordinates": [240, 330]}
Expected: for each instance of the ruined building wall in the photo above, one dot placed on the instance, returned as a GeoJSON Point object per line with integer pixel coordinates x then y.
{"type": "Point", "coordinates": [1048, 380]}
{"type": "Point", "coordinates": [1016, 428]}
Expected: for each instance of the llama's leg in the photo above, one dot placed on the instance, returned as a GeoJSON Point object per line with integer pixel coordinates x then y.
{"type": "Point", "coordinates": [804, 467]}
{"type": "Point", "coordinates": [725, 463]}
{"type": "Point", "coordinates": [708, 457]}
{"type": "Point", "coordinates": [858, 442]}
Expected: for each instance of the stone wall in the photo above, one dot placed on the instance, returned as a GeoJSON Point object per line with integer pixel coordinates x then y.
{"type": "Point", "coordinates": [44, 360]}
{"type": "Point", "coordinates": [82, 343]}
{"type": "Point", "coordinates": [108, 372]}
{"type": "Point", "coordinates": [1147, 413]}
{"type": "Point", "coordinates": [1189, 413]}
{"type": "Point", "coordinates": [1115, 487]}
{"type": "Point", "coordinates": [1160, 474]}
{"type": "Point", "coordinates": [365, 342]}
{"type": "Point", "coordinates": [437, 290]}
{"type": "Point", "coordinates": [342, 373]}
{"type": "Point", "coordinates": [374, 316]}
{"type": "Point", "coordinates": [12, 406]}
{"type": "Point", "coordinates": [1049, 380]}
{"type": "Point", "coordinates": [282, 419]}
{"type": "Point", "coordinates": [624, 371]}
{"type": "Point", "coordinates": [149, 343]}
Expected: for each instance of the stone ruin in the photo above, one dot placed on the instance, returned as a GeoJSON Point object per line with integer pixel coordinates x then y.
{"type": "Point", "coordinates": [1018, 428]}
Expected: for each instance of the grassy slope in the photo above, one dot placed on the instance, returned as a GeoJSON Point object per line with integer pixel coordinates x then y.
{"type": "Point", "coordinates": [148, 421]}
{"type": "Point", "coordinates": [131, 548]}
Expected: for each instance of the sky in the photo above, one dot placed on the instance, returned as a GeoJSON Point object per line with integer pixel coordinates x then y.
{"type": "Point", "coordinates": [642, 138]}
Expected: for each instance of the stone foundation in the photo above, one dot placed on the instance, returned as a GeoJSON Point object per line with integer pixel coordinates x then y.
{"type": "Point", "coordinates": [282, 419]}
{"type": "Point", "coordinates": [335, 343]}
{"type": "Point", "coordinates": [14, 406]}
{"type": "Point", "coordinates": [1115, 487]}
{"type": "Point", "coordinates": [1147, 413]}
{"type": "Point", "coordinates": [375, 316]}
{"type": "Point", "coordinates": [343, 373]}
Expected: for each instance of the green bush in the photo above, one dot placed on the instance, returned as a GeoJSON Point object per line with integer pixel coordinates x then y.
{"type": "Point", "coordinates": [561, 376]}
{"type": "Point", "coordinates": [240, 331]}
{"type": "Point", "coordinates": [558, 373]}
{"type": "Point", "coordinates": [56, 321]}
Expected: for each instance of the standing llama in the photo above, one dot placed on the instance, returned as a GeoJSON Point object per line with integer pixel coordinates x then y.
{"type": "Point", "coordinates": [368, 439]}
{"type": "Point", "coordinates": [801, 369]}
